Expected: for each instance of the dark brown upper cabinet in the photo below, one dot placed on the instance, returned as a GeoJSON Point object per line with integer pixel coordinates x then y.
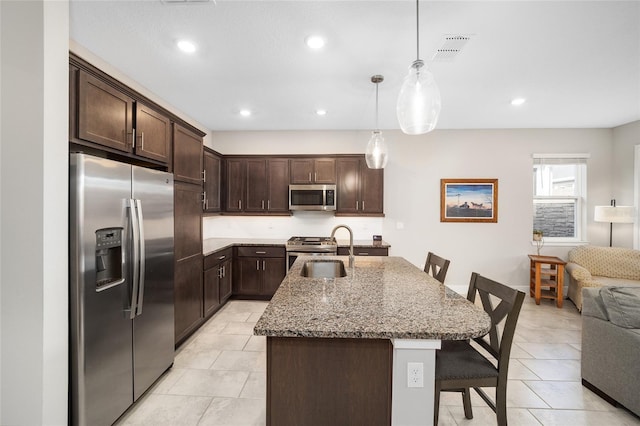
{"type": "Point", "coordinates": [105, 114]}
{"type": "Point", "coordinates": [313, 170]}
{"type": "Point", "coordinates": [360, 190]}
{"type": "Point", "coordinates": [187, 155]}
{"type": "Point", "coordinates": [212, 177]}
{"type": "Point", "coordinates": [152, 134]}
{"type": "Point", "coordinates": [258, 185]}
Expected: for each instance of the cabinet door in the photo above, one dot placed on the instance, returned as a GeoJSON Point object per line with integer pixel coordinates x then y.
{"type": "Point", "coordinates": [235, 184]}
{"type": "Point", "coordinates": [274, 270]}
{"type": "Point", "coordinates": [278, 191]}
{"type": "Point", "coordinates": [211, 289]}
{"type": "Point", "coordinates": [226, 280]}
{"type": "Point", "coordinates": [105, 115]}
{"type": "Point", "coordinates": [348, 185]}
{"type": "Point", "coordinates": [324, 170]}
{"type": "Point", "coordinates": [188, 296]}
{"type": "Point", "coordinates": [371, 189]}
{"type": "Point", "coordinates": [256, 189]}
{"type": "Point", "coordinates": [187, 220]}
{"type": "Point", "coordinates": [153, 134]}
{"type": "Point", "coordinates": [212, 175]}
{"type": "Point", "coordinates": [187, 155]}
{"type": "Point", "coordinates": [248, 276]}
{"type": "Point", "coordinates": [301, 170]}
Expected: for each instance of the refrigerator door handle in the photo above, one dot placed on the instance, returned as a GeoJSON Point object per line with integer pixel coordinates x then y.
{"type": "Point", "coordinates": [135, 228]}
{"type": "Point", "coordinates": [142, 257]}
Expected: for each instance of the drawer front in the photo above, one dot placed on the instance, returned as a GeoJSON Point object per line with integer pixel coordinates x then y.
{"type": "Point", "coordinates": [364, 251]}
{"type": "Point", "coordinates": [261, 251]}
{"type": "Point", "coordinates": [217, 257]}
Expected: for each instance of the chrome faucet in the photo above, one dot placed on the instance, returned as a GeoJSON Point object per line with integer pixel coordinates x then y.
{"type": "Point", "coordinates": [351, 257]}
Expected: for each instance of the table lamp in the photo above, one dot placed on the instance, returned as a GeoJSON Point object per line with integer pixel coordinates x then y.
{"type": "Point", "coordinates": [613, 214]}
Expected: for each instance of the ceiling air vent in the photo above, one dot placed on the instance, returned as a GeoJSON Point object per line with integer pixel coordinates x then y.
{"type": "Point", "coordinates": [452, 45]}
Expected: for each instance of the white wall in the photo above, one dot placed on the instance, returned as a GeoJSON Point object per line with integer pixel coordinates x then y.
{"type": "Point", "coordinates": [33, 193]}
{"type": "Point", "coordinates": [625, 138]}
{"type": "Point", "coordinates": [412, 192]}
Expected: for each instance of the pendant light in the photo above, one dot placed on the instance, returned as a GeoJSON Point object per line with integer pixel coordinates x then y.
{"type": "Point", "coordinates": [418, 104]}
{"type": "Point", "coordinates": [376, 153]}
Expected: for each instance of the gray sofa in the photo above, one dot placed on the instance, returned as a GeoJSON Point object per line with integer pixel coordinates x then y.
{"type": "Point", "coordinates": [611, 344]}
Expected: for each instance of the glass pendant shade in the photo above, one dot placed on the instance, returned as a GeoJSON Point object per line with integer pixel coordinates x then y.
{"type": "Point", "coordinates": [376, 153]}
{"type": "Point", "coordinates": [418, 105]}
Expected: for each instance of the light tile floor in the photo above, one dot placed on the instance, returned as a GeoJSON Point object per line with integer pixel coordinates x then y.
{"type": "Point", "coordinates": [218, 377]}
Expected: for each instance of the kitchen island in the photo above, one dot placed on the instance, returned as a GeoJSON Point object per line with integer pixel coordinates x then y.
{"type": "Point", "coordinates": [338, 348]}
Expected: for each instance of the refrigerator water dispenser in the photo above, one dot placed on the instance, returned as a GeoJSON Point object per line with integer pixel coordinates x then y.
{"type": "Point", "coordinates": [108, 258]}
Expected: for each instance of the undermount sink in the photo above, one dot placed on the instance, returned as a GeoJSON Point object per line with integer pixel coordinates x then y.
{"type": "Point", "coordinates": [319, 268]}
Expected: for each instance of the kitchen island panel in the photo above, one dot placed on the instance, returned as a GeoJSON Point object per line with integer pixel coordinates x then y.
{"type": "Point", "coordinates": [328, 381]}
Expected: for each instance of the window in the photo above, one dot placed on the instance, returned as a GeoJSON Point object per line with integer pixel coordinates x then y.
{"type": "Point", "coordinates": [560, 196]}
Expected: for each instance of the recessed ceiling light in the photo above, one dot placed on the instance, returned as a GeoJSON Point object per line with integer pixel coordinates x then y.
{"type": "Point", "coordinates": [245, 112]}
{"type": "Point", "coordinates": [315, 42]}
{"type": "Point", "coordinates": [186, 46]}
{"type": "Point", "coordinates": [518, 101]}
{"type": "Point", "coordinates": [321, 111]}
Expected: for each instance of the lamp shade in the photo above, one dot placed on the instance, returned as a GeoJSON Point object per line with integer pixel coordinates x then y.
{"type": "Point", "coordinates": [614, 214]}
{"type": "Point", "coordinates": [418, 106]}
{"type": "Point", "coordinates": [376, 154]}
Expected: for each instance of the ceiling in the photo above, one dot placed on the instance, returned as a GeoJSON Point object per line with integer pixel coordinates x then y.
{"type": "Point", "coordinates": [577, 63]}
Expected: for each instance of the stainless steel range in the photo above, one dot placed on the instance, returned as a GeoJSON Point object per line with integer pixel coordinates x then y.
{"type": "Point", "coordinates": [310, 246]}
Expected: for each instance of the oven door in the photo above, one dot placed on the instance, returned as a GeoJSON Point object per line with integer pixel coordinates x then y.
{"type": "Point", "coordinates": [293, 255]}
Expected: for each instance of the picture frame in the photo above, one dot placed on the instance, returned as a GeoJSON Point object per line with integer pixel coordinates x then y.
{"type": "Point", "coordinates": [469, 200]}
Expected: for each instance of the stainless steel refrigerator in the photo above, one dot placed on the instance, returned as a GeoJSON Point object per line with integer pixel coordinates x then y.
{"type": "Point", "coordinates": [121, 285]}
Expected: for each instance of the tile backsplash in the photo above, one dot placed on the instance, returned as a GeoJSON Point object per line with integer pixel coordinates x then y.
{"type": "Point", "coordinates": [299, 224]}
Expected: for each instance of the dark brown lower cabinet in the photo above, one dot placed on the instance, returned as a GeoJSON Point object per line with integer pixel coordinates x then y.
{"type": "Point", "coordinates": [217, 280]}
{"type": "Point", "coordinates": [188, 296]}
{"type": "Point", "coordinates": [258, 271]}
{"type": "Point", "coordinates": [328, 381]}
{"type": "Point", "coordinates": [364, 251]}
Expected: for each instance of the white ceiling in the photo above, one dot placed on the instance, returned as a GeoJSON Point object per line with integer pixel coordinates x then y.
{"type": "Point", "coordinates": [576, 62]}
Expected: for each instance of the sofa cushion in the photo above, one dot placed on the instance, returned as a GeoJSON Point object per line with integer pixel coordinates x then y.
{"type": "Point", "coordinates": [615, 282]}
{"type": "Point", "coordinates": [622, 305]}
{"type": "Point", "coordinates": [616, 262]}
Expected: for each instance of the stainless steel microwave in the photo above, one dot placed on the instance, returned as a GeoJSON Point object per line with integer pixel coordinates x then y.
{"type": "Point", "coordinates": [312, 197]}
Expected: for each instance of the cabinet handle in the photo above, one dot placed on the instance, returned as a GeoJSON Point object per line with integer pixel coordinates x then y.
{"type": "Point", "coordinates": [315, 176]}
{"type": "Point", "coordinates": [263, 265]}
{"type": "Point", "coordinates": [268, 204]}
{"type": "Point", "coordinates": [239, 204]}
{"type": "Point", "coordinates": [221, 257]}
{"type": "Point", "coordinates": [261, 252]}
{"type": "Point", "coordinates": [224, 271]}
{"type": "Point", "coordinates": [142, 141]}
{"type": "Point", "coordinates": [220, 273]}
{"type": "Point", "coordinates": [133, 138]}
{"type": "Point", "coordinates": [204, 200]}
{"type": "Point", "coordinates": [309, 176]}
{"type": "Point", "coordinates": [356, 205]}
{"type": "Point", "coordinates": [257, 265]}
{"type": "Point", "coordinates": [362, 205]}
{"type": "Point", "coordinates": [262, 204]}
{"type": "Point", "coordinates": [363, 253]}
{"type": "Point", "coordinates": [204, 175]}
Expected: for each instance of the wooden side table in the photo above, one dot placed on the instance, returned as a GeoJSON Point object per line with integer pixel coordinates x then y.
{"type": "Point", "coordinates": [546, 278]}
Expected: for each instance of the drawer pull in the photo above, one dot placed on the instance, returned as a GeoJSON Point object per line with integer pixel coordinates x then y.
{"type": "Point", "coordinates": [261, 252]}
{"type": "Point", "coordinates": [222, 257]}
{"type": "Point", "coordinates": [363, 253]}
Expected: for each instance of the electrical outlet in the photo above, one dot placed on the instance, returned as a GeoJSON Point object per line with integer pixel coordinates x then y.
{"type": "Point", "coordinates": [415, 375]}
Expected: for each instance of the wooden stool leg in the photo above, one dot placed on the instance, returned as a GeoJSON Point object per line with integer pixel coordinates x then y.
{"type": "Point", "coordinates": [538, 289]}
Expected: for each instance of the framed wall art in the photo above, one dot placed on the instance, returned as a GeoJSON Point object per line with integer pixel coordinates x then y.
{"type": "Point", "coordinates": [469, 200]}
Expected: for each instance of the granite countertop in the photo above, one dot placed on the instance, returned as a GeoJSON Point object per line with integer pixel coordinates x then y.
{"type": "Point", "coordinates": [211, 245]}
{"type": "Point", "coordinates": [364, 243]}
{"type": "Point", "coordinates": [381, 297]}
